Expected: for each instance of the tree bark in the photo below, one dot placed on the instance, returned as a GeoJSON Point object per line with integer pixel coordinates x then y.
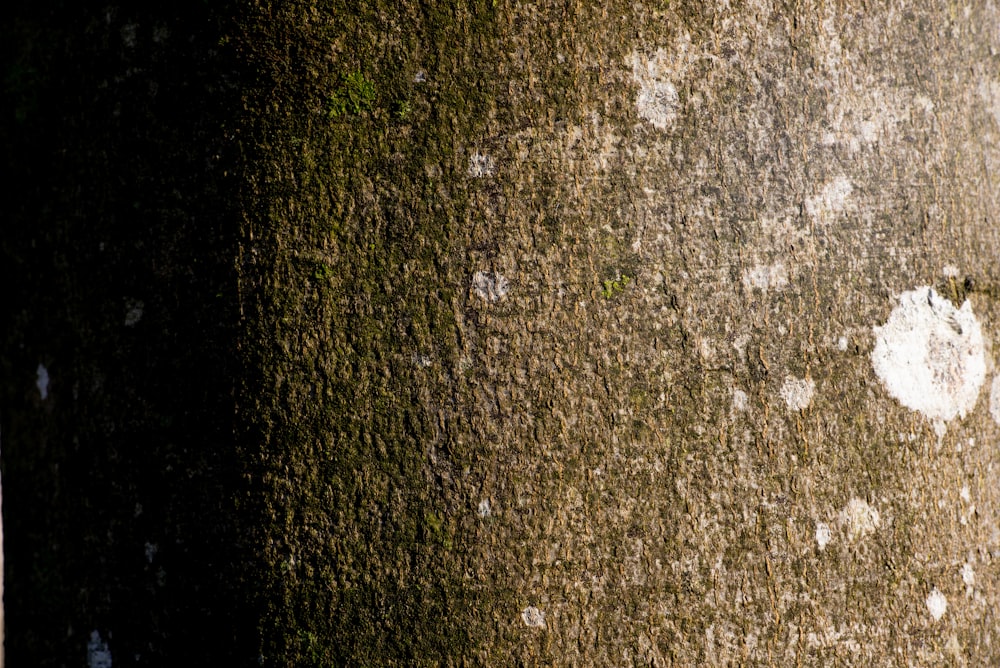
{"type": "Point", "coordinates": [512, 333]}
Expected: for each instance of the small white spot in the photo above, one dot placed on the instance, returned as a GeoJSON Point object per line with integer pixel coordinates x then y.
{"type": "Point", "coordinates": [937, 604]}
{"type": "Point", "coordinates": [484, 508]}
{"type": "Point", "coordinates": [833, 198]}
{"type": "Point", "coordinates": [481, 165]}
{"type": "Point", "coordinates": [965, 494]}
{"type": "Point", "coordinates": [151, 550]}
{"type": "Point", "coordinates": [930, 356]}
{"type": "Point", "coordinates": [949, 271]}
{"type": "Point", "coordinates": [422, 361]}
{"type": "Point", "coordinates": [859, 519]}
{"type": "Point", "coordinates": [765, 277]}
{"type": "Point", "coordinates": [842, 344]}
{"type": "Point", "coordinates": [98, 654]}
{"type": "Point", "coordinates": [740, 400]}
{"type": "Point", "coordinates": [823, 535]}
{"type": "Point", "coordinates": [798, 393]}
{"type": "Point", "coordinates": [420, 77]}
{"type": "Point", "coordinates": [533, 617]}
{"type": "Point", "coordinates": [490, 286]}
{"type": "Point", "coordinates": [42, 382]}
{"type": "Point", "coordinates": [133, 313]}
{"type": "Point", "coordinates": [968, 575]}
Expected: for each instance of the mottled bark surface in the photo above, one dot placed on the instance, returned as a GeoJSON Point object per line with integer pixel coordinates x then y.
{"type": "Point", "coordinates": [646, 334]}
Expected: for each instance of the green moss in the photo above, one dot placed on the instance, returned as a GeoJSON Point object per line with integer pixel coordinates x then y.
{"type": "Point", "coordinates": [355, 95]}
{"type": "Point", "coordinates": [613, 286]}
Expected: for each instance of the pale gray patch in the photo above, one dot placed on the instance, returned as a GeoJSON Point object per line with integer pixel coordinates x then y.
{"type": "Point", "coordinates": [533, 617]}
{"type": "Point", "coordinates": [490, 286]}
{"type": "Point", "coordinates": [766, 277]}
{"type": "Point", "coordinates": [823, 535]}
{"type": "Point", "coordinates": [42, 381]}
{"type": "Point", "coordinates": [859, 519]}
{"type": "Point", "coordinates": [657, 103]}
{"type": "Point", "coordinates": [98, 654]}
{"type": "Point", "coordinates": [484, 508]}
{"type": "Point", "coordinates": [740, 400]}
{"type": "Point", "coordinates": [798, 392]}
{"type": "Point", "coordinates": [832, 198]}
{"type": "Point", "coordinates": [133, 312]}
{"type": "Point", "coordinates": [481, 165]}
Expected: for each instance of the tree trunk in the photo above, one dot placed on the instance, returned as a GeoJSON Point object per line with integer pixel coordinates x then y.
{"type": "Point", "coordinates": [505, 333]}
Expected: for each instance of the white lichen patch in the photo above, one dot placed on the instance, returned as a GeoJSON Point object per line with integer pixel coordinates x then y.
{"type": "Point", "coordinates": [533, 617]}
{"type": "Point", "coordinates": [995, 399]}
{"type": "Point", "coordinates": [484, 509]}
{"type": "Point", "coordinates": [133, 312]}
{"type": "Point", "coordinates": [98, 654]}
{"type": "Point", "coordinates": [798, 392]}
{"type": "Point", "coordinates": [930, 356]}
{"type": "Point", "coordinates": [766, 277]}
{"type": "Point", "coordinates": [740, 400]}
{"type": "Point", "coordinates": [832, 198]}
{"type": "Point", "coordinates": [937, 604]}
{"type": "Point", "coordinates": [968, 575]}
{"type": "Point", "coordinates": [481, 165]}
{"type": "Point", "coordinates": [658, 101]}
{"type": "Point", "coordinates": [490, 286]}
{"type": "Point", "coordinates": [859, 519]}
{"type": "Point", "coordinates": [823, 535]}
{"type": "Point", "coordinates": [842, 344]}
{"type": "Point", "coordinates": [42, 381]}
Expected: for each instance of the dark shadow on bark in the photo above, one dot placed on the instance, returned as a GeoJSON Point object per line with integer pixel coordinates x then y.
{"type": "Point", "coordinates": [117, 254]}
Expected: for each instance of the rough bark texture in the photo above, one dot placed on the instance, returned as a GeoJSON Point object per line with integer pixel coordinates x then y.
{"type": "Point", "coordinates": [642, 334]}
